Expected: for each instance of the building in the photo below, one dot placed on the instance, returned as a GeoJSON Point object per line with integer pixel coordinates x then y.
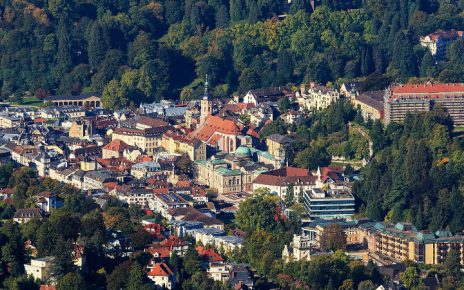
{"type": "Point", "coordinates": [231, 173]}
{"type": "Point", "coordinates": [279, 181]}
{"type": "Point", "coordinates": [176, 143]}
{"type": "Point", "coordinates": [218, 134]}
{"type": "Point", "coordinates": [147, 139]}
{"type": "Point", "coordinates": [149, 169]}
{"type": "Point", "coordinates": [437, 42]}
{"type": "Point", "coordinates": [278, 146]}
{"type": "Point", "coordinates": [116, 149]}
{"type": "Point", "coordinates": [162, 275]}
{"type": "Point", "coordinates": [23, 215]}
{"type": "Point", "coordinates": [317, 97]}
{"type": "Point", "coordinates": [90, 100]}
{"type": "Point", "coordinates": [48, 201]}
{"type": "Point", "coordinates": [80, 129]}
{"type": "Point", "coordinates": [370, 104]}
{"type": "Point", "coordinates": [163, 202]}
{"type": "Point", "coordinates": [260, 96]}
{"type": "Point", "coordinates": [164, 108]}
{"type": "Point", "coordinates": [9, 121]}
{"type": "Point", "coordinates": [299, 249]}
{"type": "Point", "coordinates": [399, 100]}
{"type": "Point", "coordinates": [328, 204]}
{"type": "Point", "coordinates": [39, 268]}
{"type": "Point", "coordinates": [206, 106]}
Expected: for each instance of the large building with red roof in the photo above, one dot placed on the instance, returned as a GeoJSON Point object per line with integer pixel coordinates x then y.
{"type": "Point", "coordinates": [399, 100]}
{"type": "Point", "coordinates": [218, 133]}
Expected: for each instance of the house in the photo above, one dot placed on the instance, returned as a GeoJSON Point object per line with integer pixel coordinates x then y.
{"type": "Point", "coordinates": [115, 149]}
{"type": "Point", "coordinates": [240, 277]}
{"type": "Point", "coordinates": [152, 169]}
{"type": "Point", "coordinates": [190, 214]}
{"type": "Point", "coordinates": [208, 255]}
{"type": "Point", "coordinates": [147, 139]}
{"type": "Point", "coordinates": [48, 201]}
{"type": "Point", "coordinates": [279, 181]}
{"type": "Point", "coordinates": [9, 121]}
{"type": "Point", "coordinates": [256, 97]}
{"type": "Point", "coordinates": [96, 179]}
{"type": "Point", "coordinates": [81, 129]}
{"type": "Point", "coordinates": [39, 268]}
{"type": "Point", "coordinates": [162, 202]}
{"type": "Point", "coordinates": [317, 97]}
{"type": "Point", "coordinates": [278, 146]}
{"type": "Point", "coordinates": [23, 215]}
{"type": "Point", "coordinates": [176, 143]}
{"type": "Point", "coordinates": [299, 249]}
{"type": "Point", "coordinates": [437, 42]}
{"type": "Point", "coordinates": [162, 275]}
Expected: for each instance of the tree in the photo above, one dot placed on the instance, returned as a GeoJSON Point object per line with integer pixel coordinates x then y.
{"type": "Point", "coordinates": [367, 285]}
{"type": "Point", "coordinates": [136, 279]}
{"type": "Point", "coordinates": [290, 196]}
{"type": "Point", "coordinates": [119, 277]}
{"type": "Point", "coordinates": [98, 45]}
{"type": "Point", "coordinates": [114, 96]}
{"type": "Point", "coordinates": [63, 260]}
{"type": "Point", "coordinates": [72, 281]}
{"type": "Point", "coordinates": [191, 262]}
{"type": "Point", "coordinates": [411, 278]}
{"type": "Point", "coordinates": [333, 238]}
{"type": "Point", "coordinates": [184, 164]}
{"type": "Point", "coordinates": [453, 264]}
{"type": "Point", "coordinates": [284, 105]}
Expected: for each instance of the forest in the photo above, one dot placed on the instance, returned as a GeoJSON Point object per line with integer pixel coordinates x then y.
{"type": "Point", "coordinates": [145, 50]}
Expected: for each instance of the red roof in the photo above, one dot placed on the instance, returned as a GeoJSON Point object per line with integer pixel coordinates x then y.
{"type": "Point", "coordinates": [212, 125]}
{"type": "Point", "coordinates": [39, 120]}
{"type": "Point", "coordinates": [47, 287]}
{"type": "Point", "coordinates": [117, 145]}
{"type": "Point", "coordinates": [428, 90]}
{"type": "Point", "coordinates": [160, 270]}
{"type": "Point", "coordinates": [208, 254]}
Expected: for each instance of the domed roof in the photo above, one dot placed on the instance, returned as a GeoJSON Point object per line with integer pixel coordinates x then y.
{"type": "Point", "coordinates": [243, 151]}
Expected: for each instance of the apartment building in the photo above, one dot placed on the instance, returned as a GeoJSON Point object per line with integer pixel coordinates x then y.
{"type": "Point", "coordinates": [399, 100]}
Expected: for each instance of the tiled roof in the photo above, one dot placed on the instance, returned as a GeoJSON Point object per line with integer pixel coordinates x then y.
{"type": "Point", "coordinates": [160, 270]}
{"type": "Point", "coordinates": [429, 90]}
{"type": "Point", "coordinates": [117, 145]}
{"type": "Point", "coordinates": [212, 125]}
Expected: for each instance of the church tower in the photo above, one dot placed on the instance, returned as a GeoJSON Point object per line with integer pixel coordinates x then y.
{"type": "Point", "coordinates": [206, 104]}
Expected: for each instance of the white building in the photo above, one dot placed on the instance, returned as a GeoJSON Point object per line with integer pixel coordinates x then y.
{"type": "Point", "coordinates": [39, 268]}
{"type": "Point", "coordinates": [299, 249]}
{"type": "Point", "coordinates": [317, 97]}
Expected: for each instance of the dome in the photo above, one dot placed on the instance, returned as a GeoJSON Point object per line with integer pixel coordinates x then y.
{"type": "Point", "coordinates": [243, 151]}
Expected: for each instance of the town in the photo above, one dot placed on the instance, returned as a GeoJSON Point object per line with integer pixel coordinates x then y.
{"type": "Point", "coordinates": [232, 144]}
{"type": "Point", "coordinates": [186, 168]}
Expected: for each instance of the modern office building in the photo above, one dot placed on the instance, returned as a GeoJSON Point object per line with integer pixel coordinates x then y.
{"type": "Point", "coordinates": [328, 204]}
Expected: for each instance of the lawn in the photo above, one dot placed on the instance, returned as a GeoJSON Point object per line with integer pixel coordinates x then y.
{"type": "Point", "coordinates": [29, 101]}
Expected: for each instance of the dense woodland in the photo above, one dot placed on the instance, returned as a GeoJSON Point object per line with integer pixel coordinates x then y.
{"type": "Point", "coordinates": [140, 51]}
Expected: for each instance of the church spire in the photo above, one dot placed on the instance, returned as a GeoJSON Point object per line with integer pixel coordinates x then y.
{"type": "Point", "coordinates": [206, 94]}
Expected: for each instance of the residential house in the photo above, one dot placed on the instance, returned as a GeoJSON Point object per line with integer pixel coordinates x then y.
{"type": "Point", "coordinates": [278, 146]}
{"type": "Point", "coordinates": [23, 215]}
{"type": "Point", "coordinates": [162, 275]}
{"type": "Point", "coordinates": [260, 96]}
{"type": "Point", "coordinates": [279, 181]}
{"type": "Point", "coordinates": [39, 268]}
{"type": "Point", "coordinates": [115, 149]}
{"type": "Point", "coordinates": [176, 143]}
{"type": "Point", "coordinates": [318, 97]}
{"type": "Point", "coordinates": [438, 41]}
{"type": "Point", "coordinates": [48, 201]}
